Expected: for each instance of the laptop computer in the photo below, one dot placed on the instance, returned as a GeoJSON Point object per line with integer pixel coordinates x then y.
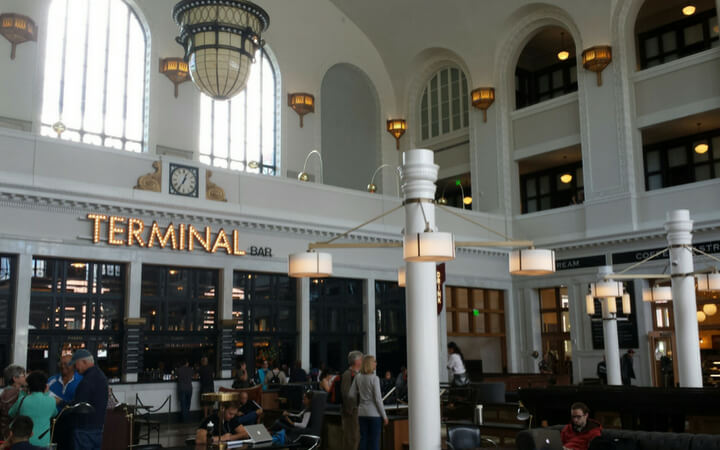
{"type": "Point", "coordinates": [547, 439]}
{"type": "Point", "coordinates": [258, 434]}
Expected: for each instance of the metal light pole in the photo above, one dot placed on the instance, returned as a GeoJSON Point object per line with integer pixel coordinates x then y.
{"type": "Point", "coordinates": [419, 173]}
{"type": "Point", "coordinates": [679, 235]}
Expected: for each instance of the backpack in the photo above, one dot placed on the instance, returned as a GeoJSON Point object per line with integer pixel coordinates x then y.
{"type": "Point", "coordinates": [275, 378]}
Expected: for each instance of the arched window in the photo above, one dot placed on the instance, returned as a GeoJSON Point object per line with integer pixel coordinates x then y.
{"type": "Point", "coordinates": [444, 104]}
{"type": "Point", "coordinates": [95, 72]}
{"type": "Point", "coordinates": [241, 133]}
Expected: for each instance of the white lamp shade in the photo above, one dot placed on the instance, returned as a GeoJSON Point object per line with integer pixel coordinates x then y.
{"type": "Point", "coordinates": [657, 294]}
{"type": "Point", "coordinates": [701, 316]}
{"type": "Point", "coordinates": [590, 305]}
{"type": "Point", "coordinates": [401, 277]}
{"type": "Point", "coordinates": [710, 309]}
{"type": "Point", "coordinates": [532, 261]}
{"type": "Point", "coordinates": [611, 305]}
{"type": "Point", "coordinates": [626, 304]}
{"type": "Point", "coordinates": [607, 288]}
{"type": "Point", "coordinates": [428, 247]}
{"type": "Point", "coordinates": [708, 282]}
{"type": "Point", "coordinates": [310, 264]}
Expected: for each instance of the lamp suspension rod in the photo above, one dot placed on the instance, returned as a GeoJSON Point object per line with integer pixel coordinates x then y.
{"type": "Point", "coordinates": [315, 245]}
{"type": "Point", "coordinates": [485, 227]}
{"type": "Point", "coordinates": [493, 243]}
{"type": "Point", "coordinates": [637, 276]}
{"type": "Point", "coordinates": [322, 170]}
{"type": "Point", "coordinates": [339, 236]}
{"type": "Point", "coordinates": [697, 250]}
{"type": "Point", "coordinates": [396, 172]}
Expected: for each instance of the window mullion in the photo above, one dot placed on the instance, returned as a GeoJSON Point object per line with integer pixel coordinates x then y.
{"type": "Point", "coordinates": [85, 66]}
{"type": "Point", "coordinates": [62, 65]}
{"type": "Point", "coordinates": [105, 73]}
{"type": "Point", "coordinates": [260, 94]}
{"type": "Point", "coordinates": [125, 87]}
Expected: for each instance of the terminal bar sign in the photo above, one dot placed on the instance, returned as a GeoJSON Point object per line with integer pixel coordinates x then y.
{"type": "Point", "coordinates": [131, 231]}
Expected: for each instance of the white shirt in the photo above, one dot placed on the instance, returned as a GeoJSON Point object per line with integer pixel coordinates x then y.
{"type": "Point", "coordinates": [455, 364]}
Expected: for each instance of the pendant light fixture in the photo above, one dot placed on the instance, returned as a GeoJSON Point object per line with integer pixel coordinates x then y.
{"type": "Point", "coordinates": [532, 261]}
{"type": "Point", "coordinates": [563, 54]}
{"type": "Point", "coordinates": [689, 9]}
{"type": "Point", "coordinates": [310, 264]}
{"type": "Point", "coordinates": [566, 178]}
{"type": "Point", "coordinates": [701, 147]}
{"type": "Point", "coordinates": [710, 309]}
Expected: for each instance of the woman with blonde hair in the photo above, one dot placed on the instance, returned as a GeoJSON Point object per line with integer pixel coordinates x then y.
{"type": "Point", "coordinates": [366, 389]}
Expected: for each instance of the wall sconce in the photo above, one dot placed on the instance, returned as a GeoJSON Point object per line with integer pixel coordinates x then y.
{"type": "Point", "coordinates": [176, 69]}
{"type": "Point", "coordinates": [596, 60]}
{"type": "Point", "coordinates": [482, 98]}
{"type": "Point", "coordinates": [397, 128]}
{"type": "Point", "coordinates": [17, 29]}
{"type": "Point", "coordinates": [302, 104]}
{"type": "Point", "coordinates": [372, 188]}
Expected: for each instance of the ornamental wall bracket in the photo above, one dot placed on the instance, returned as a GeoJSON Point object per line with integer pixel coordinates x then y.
{"type": "Point", "coordinates": [212, 190]}
{"type": "Point", "coordinates": [151, 181]}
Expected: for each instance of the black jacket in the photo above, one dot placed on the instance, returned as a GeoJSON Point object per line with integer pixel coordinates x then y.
{"type": "Point", "coordinates": [92, 389]}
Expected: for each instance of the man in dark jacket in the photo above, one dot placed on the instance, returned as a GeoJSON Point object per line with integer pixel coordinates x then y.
{"type": "Point", "coordinates": [349, 409]}
{"type": "Point", "coordinates": [93, 389]}
{"type": "Point", "coordinates": [580, 431]}
{"type": "Point", "coordinates": [627, 372]}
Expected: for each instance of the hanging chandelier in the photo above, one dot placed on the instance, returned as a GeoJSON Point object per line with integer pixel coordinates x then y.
{"type": "Point", "coordinates": [220, 38]}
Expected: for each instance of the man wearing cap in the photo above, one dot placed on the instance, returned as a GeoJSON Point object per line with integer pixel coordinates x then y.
{"type": "Point", "coordinates": [93, 389]}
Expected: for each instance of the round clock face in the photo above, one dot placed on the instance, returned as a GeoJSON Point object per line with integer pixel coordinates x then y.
{"type": "Point", "coordinates": [183, 180]}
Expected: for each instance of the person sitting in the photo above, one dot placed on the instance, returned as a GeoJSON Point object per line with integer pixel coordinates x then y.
{"type": "Point", "coordinates": [326, 382]}
{"type": "Point", "coordinates": [38, 406]}
{"type": "Point", "coordinates": [295, 424]}
{"type": "Point", "coordinates": [19, 435]}
{"type": "Point", "coordinates": [248, 411]}
{"type": "Point", "coordinates": [231, 429]}
{"type": "Point", "coordinates": [580, 431]}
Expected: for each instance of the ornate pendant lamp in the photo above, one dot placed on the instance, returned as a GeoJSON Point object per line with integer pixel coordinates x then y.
{"type": "Point", "coordinates": [220, 38]}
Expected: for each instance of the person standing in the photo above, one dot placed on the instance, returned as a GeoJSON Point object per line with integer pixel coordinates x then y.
{"type": "Point", "coordinates": [185, 375]}
{"type": "Point", "coordinates": [38, 406]}
{"type": "Point", "coordinates": [298, 374]}
{"type": "Point", "coordinates": [349, 409]}
{"type": "Point", "coordinates": [262, 374]}
{"type": "Point", "coordinates": [207, 383]}
{"type": "Point", "coordinates": [456, 365]}
{"type": "Point", "coordinates": [602, 371]}
{"type": "Point", "coordinates": [627, 373]}
{"type": "Point", "coordinates": [15, 382]}
{"type": "Point", "coordinates": [93, 389]}
{"type": "Point", "coordinates": [242, 378]}
{"type": "Point", "coordinates": [63, 385]}
{"type": "Point", "coordinates": [366, 391]}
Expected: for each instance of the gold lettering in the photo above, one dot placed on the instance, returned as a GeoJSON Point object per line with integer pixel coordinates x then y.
{"type": "Point", "coordinates": [113, 228]}
{"type": "Point", "coordinates": [182, 236]}
{"type": "Point", "coordinates": [193, 234]}
{"type": "Point", "coordinates": [236, 250]}
{"type": "Point", "coordinates": [221, 241]}
{"type": "Point", "coordinates": [96, 218]}
{"type": "Point", "coordinates": [135, 227]}
{"type": "Point", "coordinates": [162, 240]}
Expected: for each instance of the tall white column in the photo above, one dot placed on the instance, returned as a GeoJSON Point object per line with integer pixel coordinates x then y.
{"type": "Point", "coordinates": [418, 176]}
{"type": "Point", "coordinates": [369, 316]}
{"type": "Point", "coordinates": [679, 233]}
{"type": "Point", "coordinates": [612, 348]}
{"type": "Point", "coordinates": [303, 322]}
{"type": "Point", "coordinates": [21, 319]}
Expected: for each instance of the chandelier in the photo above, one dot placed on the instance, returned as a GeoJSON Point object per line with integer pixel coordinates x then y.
{"type": "Point", "coordinates": [220, 38]}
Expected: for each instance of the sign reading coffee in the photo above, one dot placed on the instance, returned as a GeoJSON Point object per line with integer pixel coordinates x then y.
{"type": "Point", "coordinates": [131, 231]}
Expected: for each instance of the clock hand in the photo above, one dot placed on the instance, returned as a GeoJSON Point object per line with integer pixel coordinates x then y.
{"type": "Point", "coordinates": [183, 181]}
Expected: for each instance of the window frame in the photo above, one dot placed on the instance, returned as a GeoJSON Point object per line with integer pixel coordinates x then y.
{"type": "Point", "coordinates": [389, 297]}
{"type": "Point", "coordinates": [550, 339]}
{"type": "Point", "coordinates": [554, 195]}
{"type": "Point", "coordinates": [46, 128]}
{"type": "Point", "coordinates": [425, 106]}
{"type": "Point", "coordinates": [531, 80]}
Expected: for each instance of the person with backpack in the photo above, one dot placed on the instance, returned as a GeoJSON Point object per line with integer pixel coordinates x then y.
{"type": "Point", "coordinates": [38, 406]}
{"type": "Point", "coordinates": [276, 376]}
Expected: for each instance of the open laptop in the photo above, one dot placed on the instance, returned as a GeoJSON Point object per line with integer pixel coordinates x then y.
{"type": "Point", "coordinates": [547, 439]}
{"type": "Point", "coordinates": [258, 434]}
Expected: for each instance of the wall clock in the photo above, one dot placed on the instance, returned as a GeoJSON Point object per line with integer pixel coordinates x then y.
{"type": "Point", "coordinates": [183, 180]}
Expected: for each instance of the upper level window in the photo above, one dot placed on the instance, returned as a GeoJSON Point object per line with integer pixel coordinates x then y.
{"type": "Point", "coordinates": [552, 188]}
{"type": "Point", "coordinates": [680, 161]}
{"type": "Point", "coordinates": [95, 69]}
{"type": "Point", "coordinates": [683, 36]}
{"type": "Point", "coordinates": [546, 68]}
{"type": "Point", "coordinates": [241, 133]}
{"type": "Point", "coordinates": [444, 104]}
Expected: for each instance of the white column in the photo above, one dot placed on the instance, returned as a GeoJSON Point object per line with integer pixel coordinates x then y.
{"type": "Point", "coordinates": [612, 348]}
{"type": "Point", "coordinates": [679, 233]}
{"type": "Point", "coordinates": [418, 175]}
{"type": "Point", "coordinates": [369, 316]}
{"type": "Point", "coordinates": [21, 319]}
{"type": "Point", "coordinates": [303, 322]}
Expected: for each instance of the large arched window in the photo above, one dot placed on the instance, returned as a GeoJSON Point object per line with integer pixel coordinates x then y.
{"type": "Point", "coordinates": [95, 72]}
{"type": "Point", "coordinates": [241, 133]}
{"type": "Point", "coordinates": [444, 104]}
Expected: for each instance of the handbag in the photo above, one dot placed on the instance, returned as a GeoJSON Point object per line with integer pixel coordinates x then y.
{"type": "Point", "coordinates": [461, 379]}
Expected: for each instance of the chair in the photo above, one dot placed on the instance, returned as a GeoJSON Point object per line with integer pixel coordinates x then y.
{"type": "Point", "coordinates": [460, 437]}
{"type": "Point", "coordinates": [317, 413]}
{"type": "Point", "coordinates": [307, 442]}
{"type": "Point", "coordinates": [144, 419]}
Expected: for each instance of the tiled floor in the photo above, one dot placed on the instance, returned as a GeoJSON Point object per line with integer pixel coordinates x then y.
{"type": "Point", "coordinates": [174, 434]}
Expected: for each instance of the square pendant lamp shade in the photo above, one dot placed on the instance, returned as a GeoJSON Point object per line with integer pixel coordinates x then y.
{"type": "Point", "coordinates": [401, 277]}
{"type": "Point", "coordinates": [708, 282]}
{"type": "Point", "coordinates": [310, 264]}
{"type": "Point", "coordinates": [657, 294]}
{"type": "Point", "coordinates": [428, 247]}
{"type": "Point", "coordinates": [532, 261]}
{"type": "Point", "coordinates": [590, 305]}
